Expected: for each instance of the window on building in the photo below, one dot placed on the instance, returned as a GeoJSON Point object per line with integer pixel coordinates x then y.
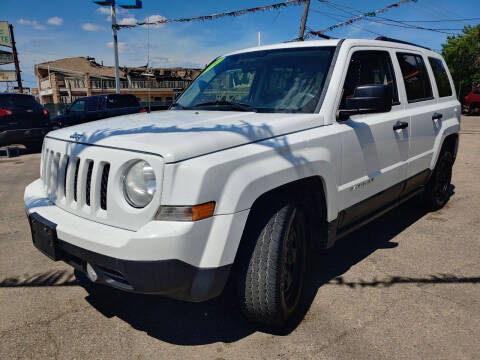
{"type": "Point", "coordinates": [415, 77]}
{"type": "Point", "coordinates": [369, 68]}
{"type": "Point", "coordinates": [441, 77]}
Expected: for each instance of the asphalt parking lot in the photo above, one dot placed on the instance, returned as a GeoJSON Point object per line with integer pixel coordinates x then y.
{"type": "Point", "coordinates": [407, 286]}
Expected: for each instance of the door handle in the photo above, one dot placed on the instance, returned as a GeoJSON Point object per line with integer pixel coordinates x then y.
{"type": "Point", "coordinates": [400, 125]}
{"type": "Point", "coordinates": [437, 116]}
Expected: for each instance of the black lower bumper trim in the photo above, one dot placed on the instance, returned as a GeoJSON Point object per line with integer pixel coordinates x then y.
{"type": "Point", "coordinates": [171, 278]}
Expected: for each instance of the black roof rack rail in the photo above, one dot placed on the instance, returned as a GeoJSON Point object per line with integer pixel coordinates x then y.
{"type": "Point", "coordinates": [385, 38]}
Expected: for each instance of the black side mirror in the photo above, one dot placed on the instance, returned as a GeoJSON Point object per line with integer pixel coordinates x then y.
{"type": "Point", "coordinates": [368, 99]}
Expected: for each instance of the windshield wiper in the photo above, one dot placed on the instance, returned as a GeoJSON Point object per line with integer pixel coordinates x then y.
{"type": "Point", "coordinates": [235, 105]}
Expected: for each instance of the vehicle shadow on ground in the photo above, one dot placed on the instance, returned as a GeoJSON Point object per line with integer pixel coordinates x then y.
{"type": "Point", "coordinates": [220, 320]}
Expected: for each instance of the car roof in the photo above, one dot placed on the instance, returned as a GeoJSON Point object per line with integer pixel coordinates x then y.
{"type": "Point", "coordinates": [386, 43]}
{"type": "Point", "coordinates": [103, 95]}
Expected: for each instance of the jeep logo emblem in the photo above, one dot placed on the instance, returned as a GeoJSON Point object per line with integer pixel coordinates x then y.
{"type": "Point", "coordinates": [76, 136]}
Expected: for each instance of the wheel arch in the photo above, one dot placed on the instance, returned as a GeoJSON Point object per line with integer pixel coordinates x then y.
{"type": "Point", "coordinates": [311, 193]}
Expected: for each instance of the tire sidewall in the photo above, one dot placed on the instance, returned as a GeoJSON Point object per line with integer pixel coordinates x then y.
{"type": "Point", "coordinates": [296, 218]}
{"type": "Point", "coordinates": [444, 163]}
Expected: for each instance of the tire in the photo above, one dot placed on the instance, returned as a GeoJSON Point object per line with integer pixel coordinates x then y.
{"type": "Point", "coordinates": [474, 109]}
{"type": "Point", "coordinates": [437, 191]}
{"type": "Point", "coordinates": [272, 266]}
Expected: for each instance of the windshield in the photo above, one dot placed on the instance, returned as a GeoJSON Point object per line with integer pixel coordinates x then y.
{"type": "Point", "coordinates": [282, 80]}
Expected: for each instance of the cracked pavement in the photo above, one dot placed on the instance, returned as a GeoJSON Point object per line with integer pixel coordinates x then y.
{"type": "Point", "coordinates": [406, 286]}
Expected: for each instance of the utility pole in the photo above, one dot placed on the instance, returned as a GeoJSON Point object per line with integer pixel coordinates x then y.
{"type": "Point", "coordinates": [304, 20]}
{"type": "Point", "coordinates": [15, 60]}
{"type": "Point", "coordinates": [115, 47]}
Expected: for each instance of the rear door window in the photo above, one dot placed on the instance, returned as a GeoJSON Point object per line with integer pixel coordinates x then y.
{"type": "Point", "coordinates": [441, 77]}
{"type": "Point", "coordinates": [415, 77]}
{"type": "Point", "coordinates": [21, 101]}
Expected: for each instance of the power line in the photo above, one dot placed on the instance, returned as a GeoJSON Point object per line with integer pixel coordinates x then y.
{"type": "Point", "coordinates": [444, 20]}
{"type": "Point", "coordinates": [219, 15]}
{"type": "Point", "coordinates": [357, 18]}
{"type": "Point", "coordinates": [369, 17]}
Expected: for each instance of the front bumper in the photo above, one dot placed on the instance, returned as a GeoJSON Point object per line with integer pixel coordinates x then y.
{"type": "Point", "coordinates": [184, 260]}
{"type": "Point", "coordinates": [171, 278]}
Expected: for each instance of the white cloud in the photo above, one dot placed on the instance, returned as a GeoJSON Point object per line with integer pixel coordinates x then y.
{"type": "Point", "coordinates": [122, 47]}
{"type": "Point", "coordinates": [128, 21]}
{"type": "Point", "coordinates": [103, 10]}
{"type": "Point", "coordinates": [92, 27]}
{"type": "Point", "coordinates": [155, 18]}
{"type": "Point", "coordinates": [33, 23]}
{"type": "Point", "coordinates": [55, 21]}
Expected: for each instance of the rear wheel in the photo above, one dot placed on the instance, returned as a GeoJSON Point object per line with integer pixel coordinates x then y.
{"type": "Point", "coordinates": [272, 266]}
{"type": "Point", "coordinates": [474, 109]}
{"type": "Point", "coordinates": [437, 191]}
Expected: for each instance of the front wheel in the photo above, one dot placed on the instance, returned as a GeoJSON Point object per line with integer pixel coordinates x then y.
{"type": "Point", "coordinates": [272, 266]}
{"type": "Point", "coordinates": [437, 191]}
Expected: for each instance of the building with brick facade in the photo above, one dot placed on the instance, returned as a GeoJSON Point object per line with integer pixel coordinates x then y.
{"type": "Point", "coordinates": [65, 80]}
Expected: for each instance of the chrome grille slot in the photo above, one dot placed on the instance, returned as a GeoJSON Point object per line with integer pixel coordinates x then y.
{"type": "Point", "coordinates": [88, 184]}
{"type": "Point", "coordinates": [67, 162]}
{"type": "Point", "coordinates": [75, 181]}
{"type": "Point", "coordinates": [103, 186]}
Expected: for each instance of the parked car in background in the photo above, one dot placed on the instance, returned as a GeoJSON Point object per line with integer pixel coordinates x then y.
{"type": "Point", "coordinates": [23, 120]}
{"type": "Point", "coordinates": [91, 108]}
{"type": "Point", "coordinates": [471, 104]}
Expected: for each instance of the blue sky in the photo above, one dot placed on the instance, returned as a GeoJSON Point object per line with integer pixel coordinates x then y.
{"type": "Point", "coordinates": [48, 30]}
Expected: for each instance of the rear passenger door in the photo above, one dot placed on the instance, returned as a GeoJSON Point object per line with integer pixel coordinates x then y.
{"type": "Point", "coordinates": [422, 107]}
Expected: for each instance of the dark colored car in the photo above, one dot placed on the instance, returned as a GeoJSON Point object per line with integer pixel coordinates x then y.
{"type": "Point", "coordinates": [471, 104]}
{"type": "Point", "coordinates": [23, 120]}
{"type": "Point", "coordinates": [98, 107]}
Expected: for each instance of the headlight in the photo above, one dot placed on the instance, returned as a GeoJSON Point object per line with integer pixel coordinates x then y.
{"type": "Point", "coordinates": [139, 184]}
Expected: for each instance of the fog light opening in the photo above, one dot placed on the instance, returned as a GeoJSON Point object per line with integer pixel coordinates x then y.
{"type": "Point", "coordinates": [91, 273]}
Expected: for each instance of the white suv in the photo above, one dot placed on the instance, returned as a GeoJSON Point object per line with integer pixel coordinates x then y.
{"type": "Point", "coordinates": [272, 150]}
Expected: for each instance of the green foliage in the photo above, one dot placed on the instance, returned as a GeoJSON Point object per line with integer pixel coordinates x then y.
{"type": "Point", "coordinates": [462, 54]}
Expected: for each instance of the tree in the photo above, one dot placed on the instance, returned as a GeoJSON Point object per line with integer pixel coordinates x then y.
{"type": "Point", "coordinates": [462, 54]}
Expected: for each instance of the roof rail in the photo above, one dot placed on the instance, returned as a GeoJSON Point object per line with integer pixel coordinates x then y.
{"type": "Point", "coordinates": [385, 38]}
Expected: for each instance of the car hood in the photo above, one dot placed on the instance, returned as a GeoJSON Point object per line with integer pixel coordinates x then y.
{"type": "Point", "coordinates": [182, 134]}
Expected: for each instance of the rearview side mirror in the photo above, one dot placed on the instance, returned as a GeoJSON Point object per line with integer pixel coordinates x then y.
{"type": "Point", "coordinates": [368, 99]}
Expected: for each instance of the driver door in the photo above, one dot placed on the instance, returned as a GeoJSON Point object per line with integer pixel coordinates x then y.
{"type": "Point", "coordinates": [375, 150]}
{"type": "Point", "coordinates": [76, 113]}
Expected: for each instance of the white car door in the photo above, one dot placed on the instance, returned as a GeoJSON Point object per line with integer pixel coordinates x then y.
{"type": "Point", "coordinates": [422, 107]}
{"type": "Point", "coordinates": [374, 146]}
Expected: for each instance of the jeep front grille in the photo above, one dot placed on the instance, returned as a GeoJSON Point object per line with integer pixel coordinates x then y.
{"type": "Point", "coordinates": [86, 181]}
{"type": "Point", "coordinates": [56, 170]}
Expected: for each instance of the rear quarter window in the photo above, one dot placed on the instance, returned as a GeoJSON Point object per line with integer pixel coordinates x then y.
{"type": "Point", "coordinates": [415, 77]}
{"type": "Point", "coordinates": [441, 77]}
{"type": "Point", "coordinates": [22, 101]}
